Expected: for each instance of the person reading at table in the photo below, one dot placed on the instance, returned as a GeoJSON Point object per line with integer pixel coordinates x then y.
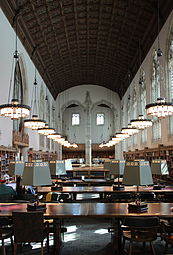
{"type": "Point", "coordinates": [6, 190]}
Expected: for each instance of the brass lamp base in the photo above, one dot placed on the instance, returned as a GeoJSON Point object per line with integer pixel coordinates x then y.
{"type": "Point", "coordinates": [137, 207]}
{"type": "Point", "coordinates": [118, 187]}
{"type": "Point", "coordinates": [36, 207]}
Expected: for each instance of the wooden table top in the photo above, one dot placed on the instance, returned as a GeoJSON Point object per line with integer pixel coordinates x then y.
{"type": "Point", "coordinates": [86, 180]}
{"type": "Point", "coordinates": [102, 189]}
{"type": "Point", "coordinates": [98, 210]}
{"type": "Point", "coordinates": [90, 169]}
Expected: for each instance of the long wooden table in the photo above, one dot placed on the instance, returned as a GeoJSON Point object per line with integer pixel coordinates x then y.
{"type": "Point", "coordinates": [102, 190]}
{"type": "Point", "coordinates": [86, 181]}
{"type": "Point", "coordinates": [92, 210]}
{"type": "Point", "coordinates": [93, 171]}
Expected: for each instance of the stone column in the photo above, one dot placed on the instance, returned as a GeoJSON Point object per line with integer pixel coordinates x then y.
{"type": "Point", "coordinates": [88, 147]}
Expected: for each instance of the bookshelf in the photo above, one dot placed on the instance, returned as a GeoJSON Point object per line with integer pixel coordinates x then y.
{"type": "Point", "coordinates": [41, 155]}
{"type": "Point", "coordinates": [7, 154]}
{"type": "Point", "coordinates": [149, 154]}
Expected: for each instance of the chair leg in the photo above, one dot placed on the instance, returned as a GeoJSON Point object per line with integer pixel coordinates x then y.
{"type": "Point", "coordinates": [48, 244]}
{"type": "Point", "coordinates": [15, 249]}
{"type": "Point", "coordinates": [152, 248]}
{"type": "Point", "coordinates": [130, 248]}
{"type": "Point", "coordinates": [3, 247]}
{"type": "Point", "coordinates": [42, 252]}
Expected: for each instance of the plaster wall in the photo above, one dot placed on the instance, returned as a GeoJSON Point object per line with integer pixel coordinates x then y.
{"type": "Point", "coordinates": [7, 49]}
{"type": "Point", "coordinates": [147, 66]}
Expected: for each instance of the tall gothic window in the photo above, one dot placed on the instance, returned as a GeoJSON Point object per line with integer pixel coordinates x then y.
{"type": "Point", "coordinates": [129, 139]}
{"type": "Point", "coordinates": [18, 93]}
{"type": "Point", "coordinates": [41, 113]}
{"type": "Point", "coordinates": [135, 112]}
{"type": "Point", "coordinates": [155, 93]}
{"type": "Point", "coordinates": [143, 102]}
{"type": "Point", "coordinates": [155, 82]}
{"type": "Point", "coordinates": [170, 77]}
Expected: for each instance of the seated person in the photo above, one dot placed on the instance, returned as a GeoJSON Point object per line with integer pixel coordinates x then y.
{"type": "Point", "coordinates": [30, 190]}
{"type": "Point", "coordinates": [4, 189]}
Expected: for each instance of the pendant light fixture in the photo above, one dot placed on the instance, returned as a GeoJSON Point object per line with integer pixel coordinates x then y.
{"type": "Point", "coordinates": [34, 123]}
{"type": "Point", "coordinates": [47, 130]}
{"type": "Point", "coordinates": [14, 109]}
{"type": "Point", "coordinates": [160, 108]}
{"type": "Point", "coordinates": [141, 122]}
{"type": "Point", "coordinates": [129, 130]}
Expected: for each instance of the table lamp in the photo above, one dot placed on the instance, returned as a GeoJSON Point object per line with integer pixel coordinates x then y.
{"type": "Point", "coordinates": [36, 174]}
{"type": "Point", "coordinates": [117, 168]}
{"type": "Point", "coordinates": [16, 168]}
{"type": "Point", "coordinates": [159, 167]}
{"type": "Point", "coordinates": [137, 173]}
{"type": "Point", "coordinates": [57, 168]}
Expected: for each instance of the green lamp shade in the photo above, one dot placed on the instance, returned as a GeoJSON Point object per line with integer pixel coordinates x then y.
{"type": "Point", "coordinates": [137, 173]}
{"type": "Point", "coordinates": [36, 174]}
{"type": "Point", "coordinates": [57, 167]}
{"type": "Point", "coordinates": [16, 168]}
{"type": "Point", "coordinates": [159, 167]}
{"type": "Point", "coordinates": [117, 167]}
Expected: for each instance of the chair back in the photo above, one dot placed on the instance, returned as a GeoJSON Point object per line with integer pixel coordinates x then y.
{"type": "Point", "coordinates": [141, 222]}
{"type": "Point", "coordinates": [28, 226]}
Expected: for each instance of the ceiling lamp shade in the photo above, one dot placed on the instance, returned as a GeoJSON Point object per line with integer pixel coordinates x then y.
{"type": "Point", "coordinates": [46, 130]}
{"type": "Point", "coordinates": [74, 145]}
{"type": "Point", "coordinates": [60, 140]}
{"type": "Point", "coordinates": [129, 130]}
{"type": "Point", "coordinates": [141, 123]}
{"type": "Point", "coordinates": [34, 122]}
{"type": "Point", "coordinates": [15, 109]}
{"type": "Point", "coordinates": [160, 108]}
{"type": "Point", "coordinates": [54, 136]}
{"type": "Point", "coordinates": [121, 135]}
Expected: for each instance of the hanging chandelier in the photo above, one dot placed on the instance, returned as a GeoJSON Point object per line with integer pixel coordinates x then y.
{"type": "Point", "coordinates": [34, 123]}
{"type": "Point", "coordinates": [121, 135]}
{"type": "Point", "coordinates": [14, 109]}
{"type": "Point", "coordinates": [129, 130]}
{"type": "Point", "coordinates": [160, 108]}
{"type": "Point", "coordinates": [46, 130]}
{"type": "Point", "coordinates": [141, 123]}
{"type": "Point", "coordinates": [54, 136]}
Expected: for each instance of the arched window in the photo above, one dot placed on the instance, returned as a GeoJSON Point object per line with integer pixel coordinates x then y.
{"type": "Point", "coordinates": [155, 93]}
{"type": "Point", "coordinates": [142, 90]}
{"type": "Point", "coordinates": [170, 77]}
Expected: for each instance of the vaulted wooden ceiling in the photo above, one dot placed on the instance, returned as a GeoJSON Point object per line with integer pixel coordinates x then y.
{"type": "Point", "coordinates": [74, 42]}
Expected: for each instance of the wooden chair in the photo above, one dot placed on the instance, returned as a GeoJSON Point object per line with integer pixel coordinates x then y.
{"type": "Point", "coordinates": [6, 231]}
{"type": "Point", "coordinates": [167, 232]}
{"type": "Point", "coordinates": [140, 229]}
{"type": "Point", "coordinates": [30, 227]}
{"type": "Point", "coordinates": [147, 196]}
